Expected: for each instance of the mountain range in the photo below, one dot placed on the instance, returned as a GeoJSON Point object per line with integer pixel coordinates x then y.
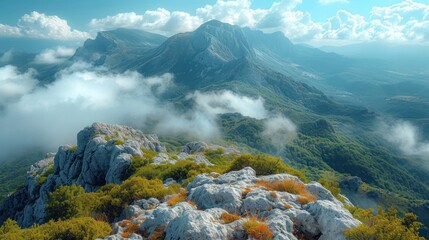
{"type": "Point", "coordinates": [336, 101]}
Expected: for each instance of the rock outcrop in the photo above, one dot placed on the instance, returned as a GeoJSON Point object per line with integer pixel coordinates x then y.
{"type": "Point", "coordinates": [102, 155]}
{"type": "Point", "coordinates": [211, 195]}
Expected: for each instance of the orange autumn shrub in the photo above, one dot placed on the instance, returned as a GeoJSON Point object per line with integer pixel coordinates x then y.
{"type": "Point", "coordinates": [158, 234]}
{"type": "Point", "coordinates": [181, 197]}
{"type": "Point", "coordinates": [130, 228]}
{"type": "Point", "coordinates": [257, 230]}
{"type": "Point", "coordinates": [289, 186]}
{"type": "Point", "coordinates": [229, 218]}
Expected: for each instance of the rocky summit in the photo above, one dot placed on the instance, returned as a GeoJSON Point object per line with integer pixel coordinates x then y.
{"type": "Point", "coordinates": [211, 198]}
{"type": "Point", "coordinates": [233, 205]}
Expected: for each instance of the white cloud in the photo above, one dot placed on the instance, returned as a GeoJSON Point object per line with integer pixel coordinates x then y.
{"type": "Point", "coordinates": [39, 25]}
{"type": "Point", "coordinates": [406, 136]}
{"type": "Point", "coordinates": [228, 102]}
{"type": "Point", "coordinates": [54, 56]}
{"type": "Point", "coordinates": [404, 21]}
{"type": "Point", "coordinates": [46, 117]}
{"type": "Point", "coordinates": [9, 31]}
{"type": "Point", "coordinates": [280, 131]}
{"type": "Point", "coordinates": [14, 84]}
{"type": "Point", "coordinates": [159, 21]}
{"type": "Point", "coordinates": [326, 2]}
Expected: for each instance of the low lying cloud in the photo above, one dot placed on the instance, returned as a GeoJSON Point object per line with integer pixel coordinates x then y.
{"type": "Point", "coordinates": [228, 102]}
{"type": "Point", "coordinates": [54, 56]}
{"type": "Point", "coordinates": [280, 130]}
{"type": "Point", "coordinates": [14, 84]}
{"type": "Point", "coordinates": [46, 117]}
{"type": "Point", "coordinates": [406, 137]}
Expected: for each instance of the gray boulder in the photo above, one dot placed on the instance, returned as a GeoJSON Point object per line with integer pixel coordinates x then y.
{"type": "Point", "coordinates": [196, 225]}
{"type": "Point", "coordinates": [332, 219]}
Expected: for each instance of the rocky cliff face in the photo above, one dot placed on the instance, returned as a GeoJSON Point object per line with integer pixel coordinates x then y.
{"type": "Point", "coordinates": [102, 155]}
{"type": "Point", "coordinates": [211, 195]}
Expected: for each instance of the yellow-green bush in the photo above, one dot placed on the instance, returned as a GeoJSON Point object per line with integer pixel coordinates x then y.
{"type": "Point", "coordinates": [42, 179]}
{"type": "Point", "coordinates": [138, 162]}
{"type": "Point", "coordinates": [264, 165]}
{"type": "Point", "coordinates": [70, 201]}
{"type": "Point", "coordinates": [384, 225]}
{"type": "Point", "coordinates": [113, 198]}
{"type": "Point", "coordinates": [84, 228]}
{"type": "Point", "coordinates": [180, 170]}
{"type": "Point", "coordinates": [9, 226]}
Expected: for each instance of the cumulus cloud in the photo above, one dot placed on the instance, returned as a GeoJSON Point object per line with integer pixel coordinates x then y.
{"type": "Point", "coordinates": [404, 21]}
{"type": "Point", "coordinates": [14, 84]}
{"type": "Point", "coordinates": [54, 56]}
{"type": "Point", "coordinates": [158, 21]}
{"type": "Point", "coordinates": [39, 25]}
{"type": "Point", "coordinates": [228, 102]}
{"type": "Point", "coordinates": [280, 130]}
{"type": "Point", "coordinates": [47, 116]}
{"type": "Point", "coordinates": [325, 2]}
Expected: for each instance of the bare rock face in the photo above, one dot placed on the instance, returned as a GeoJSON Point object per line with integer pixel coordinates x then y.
{"type": "Point", "coordinates": [102, 156]}
{"type": "Point", "coordinates": [237, 193]}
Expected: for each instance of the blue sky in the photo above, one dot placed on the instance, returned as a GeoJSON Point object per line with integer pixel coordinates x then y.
{"type": "Point", "coordinates": [80, 12]}
{"type": "Point", "coordinates": [317, 22]}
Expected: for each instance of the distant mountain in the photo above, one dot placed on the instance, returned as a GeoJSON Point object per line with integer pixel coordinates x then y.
{"type": "Point", "coordinates": [216, 56]}
{"type": "Point", "coordinates": [115, 47]}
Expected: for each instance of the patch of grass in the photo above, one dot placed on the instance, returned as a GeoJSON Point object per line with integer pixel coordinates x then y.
{"type": "Point", "coordinates": [130, 228]}
{"type": "Point", "coordinates": [73, 149]}
{"type": "Point", "coordinates": [264, 165]}
{"type": "Point", "coordinates": [245, 192]}
{"type": "Point", "coordinates": [287, 206]}
{"type": "Point", "coordinates": [44, 177]}
{"type": "Point", "coordinates": [273, 194]}
{"type": "Point", "coordinates": [289, 186]}
{"type": "Point", "coordinates": [158, 234]}
{"type": "Point", "coordinates": [229, 218]}
{"type": "Point", "coordinates": [181, 197]}
{"type": "Point", "coordinates": [257, 230]}
{"type": "Point", "coordinates": [119, 142]}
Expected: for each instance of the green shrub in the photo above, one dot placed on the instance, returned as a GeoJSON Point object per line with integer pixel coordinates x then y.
{"type": "Point", "coordinates": [264, 165]}
{"type": "Point", "coordinates": [119, 142]}
{"type": "Point", "coordinates": [9, 226]}
{"type": "Point", "coordinates": [74, 229]}
{"type": "Point", "coordinates": [70, 201]}
{"type": "Point", "coordinates": [384, 225]}
{"type": "Point", "coordinates": [180, 170]}
{"type": "Point", "coordinates": [44, 177]}
{"type": "Point", "coordinates": [114, 198]}
{"type": "Point", "coordinates": [73, 149]}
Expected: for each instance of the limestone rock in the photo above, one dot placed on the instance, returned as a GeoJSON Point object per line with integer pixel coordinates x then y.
{"type": "Point", "coordinates": [332, 219]}
{"type": "Point", "coordinates": [195, 225]}
{"type": "Point", "coordinates": [102, 155]}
